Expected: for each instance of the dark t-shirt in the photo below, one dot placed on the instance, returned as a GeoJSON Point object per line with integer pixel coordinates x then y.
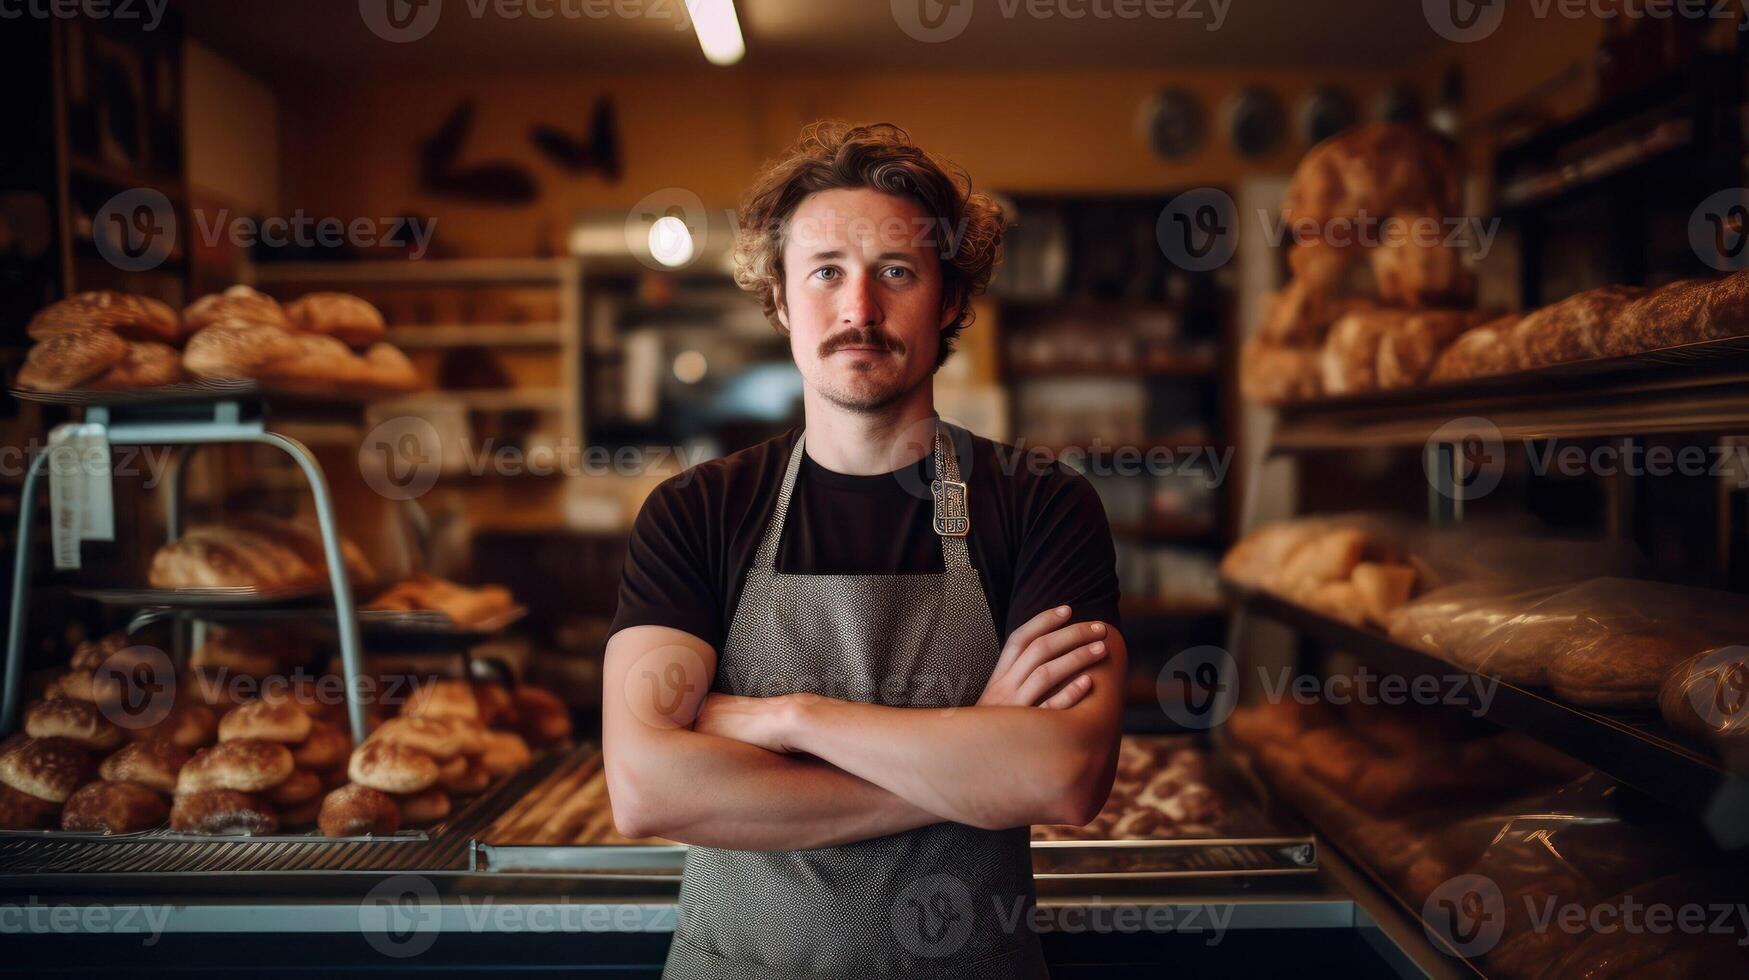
{"type": "Point", "coordinates": [1039, 537]}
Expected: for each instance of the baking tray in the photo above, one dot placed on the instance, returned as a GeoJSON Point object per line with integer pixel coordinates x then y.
{"type": "Point", "coordinates": [421, 623]}
{"type": "Point", "coordinates": [184, 392]}
{"type": "Point", "coordinates": [197, 598]}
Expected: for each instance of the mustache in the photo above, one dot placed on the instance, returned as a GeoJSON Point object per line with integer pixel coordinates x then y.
{"type": "Point", "coordinates": [861, 337]}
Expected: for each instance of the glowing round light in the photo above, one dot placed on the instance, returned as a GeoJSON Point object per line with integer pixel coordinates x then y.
{"type": "Point", "coordinates": [670, 241]}
{"type": "Point", "coordinates": [690, 367]}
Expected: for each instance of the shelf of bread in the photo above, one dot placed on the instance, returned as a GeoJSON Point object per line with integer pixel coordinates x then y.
{"type": "Point", "coordinates": [1477, 835]}
{"type": "Point", "coordinates": [1174, 811]}
{"type": "Point", "coordinates": [110, 347]}
{"type": "Point", "coordinates": [1645, 681]}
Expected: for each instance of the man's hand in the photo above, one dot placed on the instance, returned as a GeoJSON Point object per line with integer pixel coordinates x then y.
{"type": "Point", "coordinates": [1042, 657]}
{"type": "Point", "coordinates": [756, 721]}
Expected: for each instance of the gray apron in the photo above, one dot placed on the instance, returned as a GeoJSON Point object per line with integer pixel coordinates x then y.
{"type": "Point", "coordinates": [946, 900]}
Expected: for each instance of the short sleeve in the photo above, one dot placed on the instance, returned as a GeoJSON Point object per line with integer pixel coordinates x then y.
{"type": "Point", "coordinates": [669, 579]}
{"type": "Point", "coordinates": [1066, 554]}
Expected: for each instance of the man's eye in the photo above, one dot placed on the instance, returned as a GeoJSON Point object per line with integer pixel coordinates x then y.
{"type": "Point", "coordinates": [898, 272]}
{"type": "Point", "coordinates": [826, 272]}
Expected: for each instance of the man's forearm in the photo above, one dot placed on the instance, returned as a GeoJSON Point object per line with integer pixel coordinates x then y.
{"type": "Point", "coordinates": [717, 792]}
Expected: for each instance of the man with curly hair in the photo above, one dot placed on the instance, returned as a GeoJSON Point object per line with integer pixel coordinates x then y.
{"type": "Point", "coordinates": [853, 664]}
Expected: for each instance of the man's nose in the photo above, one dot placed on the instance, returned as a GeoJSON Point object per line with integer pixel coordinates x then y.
{"type": "Point", "coordinates": [861, 302]}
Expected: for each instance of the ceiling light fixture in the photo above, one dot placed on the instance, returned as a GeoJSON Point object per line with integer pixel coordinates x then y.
{"type": "Point", "coordinates": [719, 32]}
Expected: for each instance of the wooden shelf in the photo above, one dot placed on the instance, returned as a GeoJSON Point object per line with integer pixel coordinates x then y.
{"type": "Point", "coordinates": [422, 271]}
{"type": "Point", "coordinates": [477, 335]}
{"type": "Point", "coordinates": [493, 399]}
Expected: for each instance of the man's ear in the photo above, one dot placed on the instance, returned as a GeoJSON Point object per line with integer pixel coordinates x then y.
{"type": "Point", "coordinates": [950, 311]}
{"type": "Point", "coordinates": [782, 311]}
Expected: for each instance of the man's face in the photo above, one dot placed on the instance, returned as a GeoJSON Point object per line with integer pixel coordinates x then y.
{"type": "Point", "coordinates": [862, 296]}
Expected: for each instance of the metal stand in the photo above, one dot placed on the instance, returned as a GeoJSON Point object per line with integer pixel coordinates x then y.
{"type": "Point", "coordinates": [226, 424]}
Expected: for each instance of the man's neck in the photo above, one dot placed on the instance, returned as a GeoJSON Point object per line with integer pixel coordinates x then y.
{"type": "Point", "coordinates": [870, 443]}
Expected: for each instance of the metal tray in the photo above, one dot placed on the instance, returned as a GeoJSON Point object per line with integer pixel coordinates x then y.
{"type": "Point", "coordinates": [422, 623]}
{"type": "Point", "coordinates": [184, 392]}
{"type": "Point", "coordinates": [201, 598]}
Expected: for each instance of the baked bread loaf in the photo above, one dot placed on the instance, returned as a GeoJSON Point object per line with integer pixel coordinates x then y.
{"type": "Point", "coordinates": [1382, 588]}
{"type": "Point", "coordinates": [1412, 271]}
{"type": "Point", "coordinates": [1686, 312]}
{"type": "Point", "coordinates": [497, 708]}
{"type": "Point", "coordinates": [124, 314]}
{"type": "Point", "coordinates": [113, 808]}
{"type": "Point", "coordinates": [91, 654]}
{"type": "Point", "coordinates": [229, 350]}
{"type": "Point", "coordinates": [542, 718]}
{"type": "Point", "coordinates": [354, 811]}
{"type": "Point", "coordinates": [1409, 348]}
{"type": "Point", "coordinates": [1351, 353]}
{"type": "Point", "coordinates": [1625, 671]}
{"type": "Point", "coordinates": [252, 551]}
{"type": "Point", "coordinates": [320, 361]}
{"type": "Point", "coordinates": [76, 721]}
{"type": "Point", "coordinates": [392, 768]}
{"type": "Point", "coordinates": [188, 726]}
{"type": "Point", "coordinates": [299, 788]}
{"type": "Point", "coordinates": [46, 768]}
{"type": "Point", "coordinates": [305, 539]}
{"type": "Point", "coordinates": [272, 721]}
{"type": "Point", "coordinates": [463, 605]}
{"type": "Point", "coordinates": [1570, 330]}
{"type": "Point", "coordinates": [22, 811]}
{"type": "Point", "coordinates": [506, 752]}
{"type": "Point", "coordinates": [251, 651]}
{"type": "Point", "coordinates": [1373, 171]}
{"type": "Point", "coordinates": [153, 763]}
{"type": "Point", "coordinates": [388, 369]}
{"type": "Point", "coordinates": [1271, 374]}
{"type": "Point", "coordinates": [423, 808]}
{"type": "Point", "coordinates": [432, 735]}
{"type": "Point", "coordinates": [325, 747]}
{"type": "Point", "coordinates": [1477, 352]}
{"type": "Point", "coordinates": [79, 685]}
{"type": "Point", "coordinates": [145, 364]}
{"type": "Point", "coordinates": [238, 305]}
{"type": "Point", "coordinates": [69, 359]}
{"type": "Point", "coordinates": [345, 317]}
{"type": "Point", "coordinates": [222, 812]}
{"type": "Point", "coordinates": [445, 698]}
{"type": "Point", "coordinates": [472, 779]}
{"type": "Point", "coordinates": [247, 765]}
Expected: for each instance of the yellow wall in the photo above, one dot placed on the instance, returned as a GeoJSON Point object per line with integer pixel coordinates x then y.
{"type": "Point", "coordinates": [233, 133]}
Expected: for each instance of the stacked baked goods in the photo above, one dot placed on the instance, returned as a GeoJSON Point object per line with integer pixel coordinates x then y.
{"type": "Point", "coordinates": [463, 605]}
{"type": "Point", "coordinates": [254, 551]}
{"type": "Point", "coordinates": [1340, 567]}
{"type": "Point", "coordinates": [1381, 196]}
{"type": "Point", "coordinates": [331, 342]}
{"type": "Point", "coordinates": [1161, 791]}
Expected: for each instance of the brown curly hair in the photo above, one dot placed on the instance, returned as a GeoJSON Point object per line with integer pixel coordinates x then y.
{"type": "Point", "coordinates": [832, 155]}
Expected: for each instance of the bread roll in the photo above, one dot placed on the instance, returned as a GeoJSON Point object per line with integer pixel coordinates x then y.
{"type": "Point", "coordinates": [237, 305]}
{"type": "Point", "coordinates": [304, 538]}
{"type": "Point", "coordinates": [299, 788]}
{"type": "Point", "coordinates": [388, 369]}
{"type": "Point", "coordinates": [254, 652]}
{"type": "Point", "coordinates": [392, 768]}
{"type": "Point", "coordinates": [423, 808]}
{"type": "Point", "coordinates": [270, 721]}
{"type": "Point", "coordinates": [247, 765]}
{"type": "Point", "coordinates": [505, 753]}
{"type": "Point", "coordinates": [1382, 588]}
{"type": "Point", "coordinates": [22, 811]}
{"type": "Point", "coordinates": [1420, 273]}
{"type": "Point", "coordinates": [354, 811]}
{"type": "Point", "coordinates": [326, 747]}
{"type": "Point", "coordinates": [447, 698]}
{"type": "Point", "coordinates": [302, 816]}
{"type": "Point", "coordinates": [127, 316]}
{"type": "Point", "coordinates": [544, 719]}
{"type": "Point", "coordinates": [113, 808]}
{"type": "Point", "coordinates": [153, 763]}
{"type": "Point", "coordinates": [188, 726]}
{"type": "Point", "coordinates": [76, 721]}
{"type": "Point", "coordinates": [472, 779]}
{"type": "Point", "coordinates": [226, 812]}
{"type": "Point", "coordinates": [68, 359]}
{"type": "Point", "coordinates": [1270, 374]}
{"type": "Point", "coordinates": [497, 708]}
{"type": "Point", "coordinates": [233, 351]}
{"type": "Point", "coordinates": [319, 361]}
{"type": "Point", "coordinates": [91, 654]}
{"type": "Point", "coordinates": [433, 736]}
{"type": "Point", "coordinates": [1328, 556]}
{"type": "Point", "coordinates": [1477, 352]}
{"type": "Point", "coordinates": [1408, 349]}
{"type": "Point", "coordinates": [1571, 330]}
{"type": "Point", "coordinates": [78, 685]}
{"type": "Point", "coordinates": [1351, 353]}
{"type": "Point", "coordinates": [145, 364]}
{"type": "Point", "coordinates": [47, 768]}
{"type": "Point", "coordinates": [343, 316]}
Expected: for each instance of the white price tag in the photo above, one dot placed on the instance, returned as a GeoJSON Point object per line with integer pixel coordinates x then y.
{"type": "Point", "coordinates": [94, 460]}
{"type": "Point", "coordinates": [66, 496]}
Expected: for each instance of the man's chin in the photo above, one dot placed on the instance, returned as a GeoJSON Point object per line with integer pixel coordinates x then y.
{"type": "Point", "coordinates": [864, 397]}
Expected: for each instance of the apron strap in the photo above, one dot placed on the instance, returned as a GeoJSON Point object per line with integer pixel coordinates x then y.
{"type": "Point", "coordinates": [954, 555]}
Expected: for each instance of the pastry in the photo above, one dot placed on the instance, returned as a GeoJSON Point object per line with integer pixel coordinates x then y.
{"type": "Point", "coordinates": [423, 808]}
{"type": "Point", "coordinates": [273, 721]}
{"type": "Point", "coordinates": [46, 768]}
{"type": "Point", "coordinates": [113, 808]}
{"type": "Point", "coordinates": [392, 768]}
{"type": "Point", "coordinates": [233, 351]}
{"type": "Point", "coordinates": [68, 359]}
{"type": "Point", "coordinates": [222, 812]}
{"type": "Point", "coordinates": [237, 305]}
{"type": "Point", "coordinates": [342, 316]}
{"type": "Point", "coordinates": [299, 788]}
{"type": "Point", "coordinates": [354, 810]}
{"type": "Point", "coordinates": [124, 314]}
{"type": "Point", "coordinates": [247, 765]}
{"type": "Point", "coordinates": [187, 726]}
{"type": "Point", "coordinates": [433, 736]}
{"type": "Point", "coordinates": [153, 763]}
{"type": "Point", "coordinates": [76, 721]}
{"type": "Point", "coordinates": [326, 746]}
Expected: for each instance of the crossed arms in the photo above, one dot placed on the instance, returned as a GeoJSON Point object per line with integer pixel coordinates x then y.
{"type": "Point", "coordinates": [799, 771]}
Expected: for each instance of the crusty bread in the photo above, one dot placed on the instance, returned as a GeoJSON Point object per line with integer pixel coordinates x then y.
{"type": "Point", "coordinates": [67, 359]}
{"type": "Point", "coordinates": [252, 551]}
{"type": "Point", "coordinates": [320, 360]}
{"type": "Point", "coordinates": [153, 763]}
{"type": "Point", "coordinates": [354, 810]}
{"type": "Point", "coordinates": [1571, 330]}
{"type": "Point", "coordinates": [222, 812]}
{"type": "Point", "coordinates": [22, 811]}
{"type": "Point", "coordinates": [472, 779]}
{"type": "Point", "coordinates": [187, 726]}
{"type": "Point", "coordinates": [147, 364]}
{"type": "Point", "coordinates": [305, 538]}
{"type": "Point", "coordinates": [266, 720]}
{"type": "Point", "coordinates": [432, 735]}
{"type": "Point", "coordinates": [248, 765]}
{"type": "Point", "coordinates": [1382, 588]}
{"type": "Point", "coordinates": [74, 720]}
{"type": "Point", "coordinates": [1351, 353]}
{"type": "Point", "coordinates": [1377, 169]}
{"type": "Point", "coordinates": [542, 717]}
{"type": "Point", "coordinates": [343, 316]}
{"type": "Point", "coordinates": [392, 768]}
{"type": "Point", "coordinates": [388, 369]}
{"type": "Point", "coordinates": [47, 768]}
{"type": "Point", "coordinates": [1274, 374]}
{"type": "Point", "coordinates": [301, 787]}
{"type": "Point", "coordinates": [1477, 352]}
{"type": "Point", "coordinates": [124, 314]}
{"type": "Point", "coordinates": [230, 350]}
{"type": "Point", "coordinates": [255, 652]}
{"type": "Point", "coordinates": [1408, 348]}
{"type": "Point", "coordinates": [237, 305]}
{"type": "Point", "coordinates": [324, 748]}
{"type": "Point", "coordinates": [1626, 671]}
{"type": "Point", "coordinates": [446, 698]}
{"type": "Point", "coordinates": [506, 752]}
{"type": "Point", "coordinates": [1415, 273]}
{"type": "Point", "coordinates": [90, 654]}
{"type": "Point", "coordinates": [113, 808]}
{"type": "Point", "coordinates": [423, 808]}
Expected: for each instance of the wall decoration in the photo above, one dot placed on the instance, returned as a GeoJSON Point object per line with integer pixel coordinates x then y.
{"type": "Point", "coordinates": [1255, 121]}
{"type": "Point", "coordinates": [598, 150]}
{"type": "Point", "coordinates": [1174, 124]}
{"type": "Point", "coordinates": [497, 182]}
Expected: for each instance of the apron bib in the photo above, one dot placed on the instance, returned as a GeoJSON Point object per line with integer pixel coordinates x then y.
{"type": "Point", "coordinates": [946, 900]}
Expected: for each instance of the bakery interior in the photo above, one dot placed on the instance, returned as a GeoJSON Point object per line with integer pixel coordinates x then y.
{"type": "Point", "coordinates": [1432, 549]}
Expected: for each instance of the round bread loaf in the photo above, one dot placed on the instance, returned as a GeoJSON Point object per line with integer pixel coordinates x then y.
{"type": "Point", "coordinates": [252, 652]}
{"type": "Point", "coordinates": [272, 721]}
{"type": "Point", "coordinates": [79, 685]}
{"type": "Point", "coordinates": [113, 808]}
{"type": "Point", "coordinates": [91, 654]}
{"type": "Point", "coordinates": [303, 815]}
{"type": "Point", "coordinates": [47, 768]}
{"type": "Point", "coordinates": [128, 316]}
{"type": "Point", "coordinates": [544, 719]}
{"type": "Point", "coordinates": [320, 362]}
{"type": "Point", "coordinates": [231, 351]}
{"type": "Point", "coordinates": [224, 812]}
{"type": "Point", "coordinates": [343, 316]}
{"type": "Point", "coordinates": [300, 788]}
{"type": "Point", "coordinates": [153, 763]}
{"type": "Point", "coordinates": [470, 735]}
{"type": "Point", "coordinates": [22, 811]}
{"type": "Point", "coordinates": [77, 721]}
{"type": "Point", "coordinates": [354, 810]}
{"type": "Point", "coordinates": [435, 737]}
{"type": "Point", "coordinates": [447, 698]}
{"type": "Point", "coordinates": [392, 768]}
{"type": "Point", "coordinates": [238, 305]}
{"type": "Point", "coordinates": [497, 708]}
{"type": "Point", "coordinates": [324, 748]}
{"type": "Point", "coordinates": [68, 359]}
{"type": "Point", "coordinates": [473, 778]}
{"type": "Point", "coordinates": [423, 808]}
{"type": "Point", "coordinates": [388, 369]}
{"type": "Point", "coordinates": [505, 753]}
{"type": "Point", "coordinates": [147, 364]}
{"type": "Point", "coordinates": [248, 765]}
